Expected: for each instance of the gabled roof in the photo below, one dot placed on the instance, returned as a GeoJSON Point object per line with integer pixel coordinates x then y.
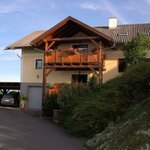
{"type": "Point", "coordinates": [25, 41]}
{"type": "Point", "coordinates": [121, 34]}
{"type": "Point", "coordinates": [69, 24]}
{"type": "Point", "coordinates": [125, 33]}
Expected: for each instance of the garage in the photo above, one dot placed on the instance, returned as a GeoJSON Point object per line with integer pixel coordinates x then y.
{"type": "Point", "coordinates": [35, 97]}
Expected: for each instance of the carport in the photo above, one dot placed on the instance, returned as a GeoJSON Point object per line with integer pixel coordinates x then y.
{"type": "Point", "coordinates": [6, 86]}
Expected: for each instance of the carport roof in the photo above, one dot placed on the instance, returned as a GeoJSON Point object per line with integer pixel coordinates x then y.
{"type": "Point", "coordinates": [10, 85]}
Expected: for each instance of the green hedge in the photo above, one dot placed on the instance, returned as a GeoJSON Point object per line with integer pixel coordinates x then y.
{"type": "Point", "coordinates": [91, 111]}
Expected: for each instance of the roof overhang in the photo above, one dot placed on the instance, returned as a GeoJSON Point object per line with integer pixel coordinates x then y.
{"type": "Point", "coordinates": [25, 42]}
{"type": "Point", "coordinates": [67, 28]}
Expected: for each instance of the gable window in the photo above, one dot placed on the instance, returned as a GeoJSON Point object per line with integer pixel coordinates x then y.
{"type": "Point", "coordinates": [38, 64]}
{"type": "Point", "coordinates": [80, 46]}
{"type": "Point", "coordinates": [122, 65]}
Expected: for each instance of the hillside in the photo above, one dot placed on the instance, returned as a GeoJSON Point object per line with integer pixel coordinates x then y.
{"type": "Point", "coordinates": [87, 112]}
{"type": "Point", "coordinates": [132, 133]}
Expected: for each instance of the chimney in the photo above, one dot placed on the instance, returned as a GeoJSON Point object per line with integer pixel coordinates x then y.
{"type": "Point", "coordinates": [112, 23]}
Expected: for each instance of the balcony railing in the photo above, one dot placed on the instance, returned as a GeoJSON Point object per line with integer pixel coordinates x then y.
{"type": "Point", "coordinates": [73, 58]}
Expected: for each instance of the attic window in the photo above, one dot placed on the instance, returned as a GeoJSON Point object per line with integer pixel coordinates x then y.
{"type": "Point", "coordinates": [122, 34]}
{"type": "Point", "coordinates": [143, 33]}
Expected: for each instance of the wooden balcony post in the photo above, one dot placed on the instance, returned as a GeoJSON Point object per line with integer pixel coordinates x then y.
{"type": "Point", "coordinates": [45, 61]}
{"type": "Point", "coordinates": [100, 63]}
{"type": "Point", "coordinates": [44, 77]}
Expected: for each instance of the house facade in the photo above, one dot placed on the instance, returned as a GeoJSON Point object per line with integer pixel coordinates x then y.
{"type": "Point", "coordinates": [72, 51]}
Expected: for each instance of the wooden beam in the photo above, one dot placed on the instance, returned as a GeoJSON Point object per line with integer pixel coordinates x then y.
{"type": "Point", "coordinates": [62, 30]}
{"type": "Point", "coordinates": [50, 71]}
{"type": "Point", "coordinates": [94, 71]}
{"type": "Point", "coordinates": [73, 66]}
{"type": "Point", "coordinates": [51, 44]}
{"type": "Point", "coordinates": [73, 38]}
{"type": "Point", "coordinates": [46, 46]}
{"type": "Point", "coordinates": [96, 44]}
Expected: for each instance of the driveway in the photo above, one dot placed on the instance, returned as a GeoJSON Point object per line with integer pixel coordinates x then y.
{"type": "Point", "coordinates": [21, 131]}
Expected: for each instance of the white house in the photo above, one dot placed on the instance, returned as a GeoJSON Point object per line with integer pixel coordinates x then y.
{"type": "Point", "coordinates": [72, 51]}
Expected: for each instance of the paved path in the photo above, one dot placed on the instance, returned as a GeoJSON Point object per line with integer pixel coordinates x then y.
{"type": "Point", "coordinates": [21, 131]}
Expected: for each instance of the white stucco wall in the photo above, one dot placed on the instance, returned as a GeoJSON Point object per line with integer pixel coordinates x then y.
{"type": "Point", "coordinates": [111, 64]}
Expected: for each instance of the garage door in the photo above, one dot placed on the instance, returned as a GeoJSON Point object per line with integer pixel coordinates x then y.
{"type": "Point", "coordinates": [35, 97]}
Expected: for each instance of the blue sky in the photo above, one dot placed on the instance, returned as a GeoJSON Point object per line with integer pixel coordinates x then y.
{"type": "Point", "coordinates": [21, 17]}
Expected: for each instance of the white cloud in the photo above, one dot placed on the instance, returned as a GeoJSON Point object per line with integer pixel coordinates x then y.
{"type": "Point", "coordinates": [11, 7]}
{"type": "Point", "coordinates": [90, 6]}
{"type": "Point", "coordinates": [113, 10]}
{"type": "Point", "coordinates": [23, 6]}
{"type": "Point", "coordinates": [106, 6]}
{"type": "Point", "coordinates": [148, 1]}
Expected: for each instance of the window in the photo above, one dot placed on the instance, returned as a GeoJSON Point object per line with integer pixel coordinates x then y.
{"type": "Point", "coordinates": [80, 46]}
{"type": "Point", "coordinates": [38, 64]}
{"type": "Point", "coordinates": [122, 34]}
{"type": "Point", "coordinates": [122, 65]}
{"type": "Point", "coordinates": [77, 78]}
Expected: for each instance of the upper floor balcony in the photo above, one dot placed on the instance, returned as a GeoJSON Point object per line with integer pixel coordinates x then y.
{"type": "Point", "coordinates": [74, 59]}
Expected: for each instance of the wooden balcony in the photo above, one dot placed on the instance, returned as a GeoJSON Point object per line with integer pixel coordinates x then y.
{"type": "Point", "coordinates": [73, 59]}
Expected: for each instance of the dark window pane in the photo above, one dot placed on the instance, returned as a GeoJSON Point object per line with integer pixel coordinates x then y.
{"type": "Point", "coordinates": [38, 64]}
{"type": "Point", "coordinates": [80, 46]}
{"type": "Point", "coordinates": [122, 65]}
{"type": "Point", "coordinates": [77, 78]}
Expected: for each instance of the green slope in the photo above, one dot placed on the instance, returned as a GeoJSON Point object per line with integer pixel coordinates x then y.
{"type": "Point", "coordinates": [131, 133]}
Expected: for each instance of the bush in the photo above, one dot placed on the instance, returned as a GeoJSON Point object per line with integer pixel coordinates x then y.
{"type": "Point", "coordinates": [50, 104]}
{"type": "Point", "coordinates": [91, 111]}
{"type": "Point", "coordinates": [135, 50]}
{"type": "Point", "coordinates": [93, 81]}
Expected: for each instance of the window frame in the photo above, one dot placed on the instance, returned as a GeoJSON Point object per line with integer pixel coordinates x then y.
{"type": "Point", "coordinates": [36, 63]}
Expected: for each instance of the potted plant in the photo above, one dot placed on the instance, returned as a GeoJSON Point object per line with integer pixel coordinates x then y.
{"type": "Point", "coordinates": [23, 101]}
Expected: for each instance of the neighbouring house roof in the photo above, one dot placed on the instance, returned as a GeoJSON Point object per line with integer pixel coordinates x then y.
{"type": "Point", "coordinates": [26, 41]}
{"type": "Point", "coordinates": [121, 34]}
{"type": "Point", "coordinates": [125, 33]}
